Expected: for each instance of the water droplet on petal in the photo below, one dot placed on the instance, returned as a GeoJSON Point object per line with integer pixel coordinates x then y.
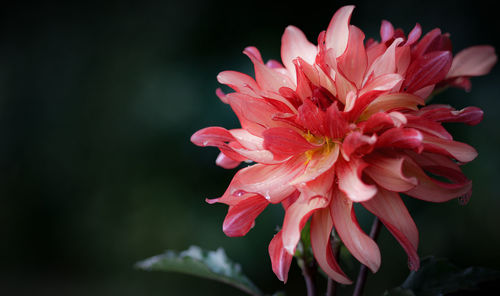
{"type": "Point", "coordinates": [238, 193]}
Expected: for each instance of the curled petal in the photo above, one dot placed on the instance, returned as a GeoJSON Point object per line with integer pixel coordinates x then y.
{"type": "Point", "coordinates": [406, 138]}
{"type": "Point", "coordinates": [388, 173]}
{"type": "Point", "coordinates": [445, 113]}
{"type": "Point", "coordinates": [280, 258]}
{"type": "Point", "coordinates": [357, 142]}
{"type": "Point", "coordinates": [241, 217]}
{"type": "Point", "coordinates": [432, 190]}
{"type": "Point", "coordinates": [336, 125]}
{"type": "Point", "coordinates": [321, 229]}
{"type": "Point", "coordinates": [390, 209]}
{"type": "Point", "coordinates": [361, 246]}
{"type": "Point", "coordinates": [226, 162]}
{"type": "Point", "coordinates": [386, 31]}
{"type": "Point", "coordinates": [349, 176]}
{"type": "Point", "coordinates": [473, 61]}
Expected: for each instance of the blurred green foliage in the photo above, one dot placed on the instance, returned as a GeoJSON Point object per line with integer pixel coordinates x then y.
{"type": "Point", "coordinates": [98, 100]}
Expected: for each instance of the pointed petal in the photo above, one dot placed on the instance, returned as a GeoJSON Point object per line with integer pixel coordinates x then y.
{"type": "Point", "coordinates": [445, 113]}
{"type": "Point", "coordinates": [295, 44]}
{"type": "Point", "coordinates": [391, 210]}
{"type": "Point", "coordinates": [312, 118]}
{"type": "Point", "coordinates": [473, 61]}
{"type": "Point", "coordinates": [349, 176]}
{"type": "Point", "coordinates": [352, 63]}
{"type": "Point", "coordinates": [321, 229]}
{"type": "Point", "coordinates": [361, 246]}
{"type": "Point", "coordinates": [280, 258]}
{"type": "Point", "coordinates": [386, 31]}
{"type": "Point", "coordinates": [385, 63]}
{"type": "Point", "coordinates": [337, 33]}
{"type": "Point", "coordinates": [241, 217]}
{"type": "Point", "coordinates": [336, 125]}
{"type": "Point", "coordinates": [267, 78]}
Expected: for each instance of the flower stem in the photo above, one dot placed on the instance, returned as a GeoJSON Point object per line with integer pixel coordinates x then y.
{"type": "Point", "coordinates": [309, 273]}
{"type": "Point", "coordinates": [331, 288]}
{"type": "Point", "coordinates": [363, 270]}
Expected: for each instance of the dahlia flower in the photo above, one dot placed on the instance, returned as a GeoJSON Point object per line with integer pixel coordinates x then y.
{"type": "Point", "coordinates": [345, 122]}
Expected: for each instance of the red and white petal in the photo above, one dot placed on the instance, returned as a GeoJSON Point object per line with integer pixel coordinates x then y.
{"type": "Point", "coordinates": [388, 173]}
{"type": "Point", "coordinates": [361, 246]}
{"type": "Point", "coordinates": [357, 142]}
{"type": "Point", "coordinates": [458, 150]}
{"type": "Point", "coordinates": [352, 63]}
{"type": "Point", "coordinates": [337, 34]}
{"type": "Point", "coordinates": [427, 70]}
{"type": "Point", "coordinates": [321, 229]}
{"type": "Point", "coordinates": [390, 209]}
{"type": "Point", "coordinates": [349, 176]}
{"type": "Point", "coordinates": [321, 161]}
{"type": "Point", "coordinates": [295, 44]}
{"type": "Point", "coordinates": [405, 138]}
{"type": "Point", "coordinates": [280, 258]}
{"type": "Point", "coordinates": [284, 142]}
{"type": "Point", "coordinates": [240, 82]}
{"type": "Point", "coordinates": [267, 78]}
{"type": "Point", "coordinates": [269, 181]}
{"type": "Point", "coordinates": [432, 190]}
{"type": "Point", "coordinates": [297, 215]}
{"type": "Point", "coordinates": [394, 101]}
{"type": "Point", "coordinates": [240, 217]}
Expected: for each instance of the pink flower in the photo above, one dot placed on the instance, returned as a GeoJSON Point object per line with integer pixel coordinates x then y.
{"type": "Point", "coordinates": [340, 123]}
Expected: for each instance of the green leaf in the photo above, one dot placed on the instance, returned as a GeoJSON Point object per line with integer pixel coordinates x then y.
{"type": "Point", "coordinates": [438, 276]}
{"type": "Point", "coordinates": [213, 265]}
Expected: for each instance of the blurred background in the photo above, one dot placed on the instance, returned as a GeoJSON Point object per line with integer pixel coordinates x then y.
{"type": "Point", "coordinates": [98, 101]}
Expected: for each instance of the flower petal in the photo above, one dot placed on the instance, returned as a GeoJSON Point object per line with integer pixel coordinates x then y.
{"type": "Point", "coordinates": [361, 246]}
{"type": "Point", "coordinates": [284, 142]}
{"type": "Point", "coordinates": [473, 61]}
{"type": "Point", "coordinates": [321, 229]}
{"type": "Point", "coordinates": [295, 44]}
{"type": "Point", "coordinates": [295, 218]}
{"type": "Point", "coordinates": [267, 78]}
{"type": "Point", "coordinates": [405, 138]}
{"type": "Point", "coordinates": [357, 142]}
{"type": "Point", "coordinates": [280, 258]}
{"type": "Point", "coordinates": [240, 82]}
{"type": "Point", "coordinates": [349, 176]}
{"type": "Point", "coordinates": [427, 70]}
{"type": "Point", "coordinates": [226, 162]}
{"type": "Point", "coordinates": [352, 63]}
{"type": "Point", "coordinates": [458, 150]}
{"type": "Point", "coordinates": [388, 173]}
{"type": "Point", "coordinates": [240, 218]}
{"type": "Point", "coordinates": [391, 211]}
{"type": "Point", "coordinates": [429, 189]}
{"type": "Point", "coordinates": [337, 34]}
{"type": "Point", "coordinates": [394, 101]}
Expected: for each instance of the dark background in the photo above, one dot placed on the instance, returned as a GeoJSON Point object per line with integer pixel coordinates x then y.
{"type": "Point", "coordinates": [97, 105]}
